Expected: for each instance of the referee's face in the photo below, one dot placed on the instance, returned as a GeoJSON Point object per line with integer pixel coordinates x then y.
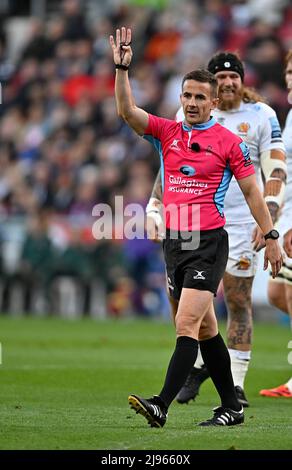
{"type": "Point", "coordinates": [197, 101]}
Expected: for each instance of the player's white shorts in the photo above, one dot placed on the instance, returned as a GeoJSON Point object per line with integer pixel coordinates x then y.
{"type": "Point", "coordinates": [242, 260]}
{"type": "Point", "coordinates": [285, 275]}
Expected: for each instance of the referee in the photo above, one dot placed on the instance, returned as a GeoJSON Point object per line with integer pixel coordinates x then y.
{"type": "Point", "coordinates": [198, 159]}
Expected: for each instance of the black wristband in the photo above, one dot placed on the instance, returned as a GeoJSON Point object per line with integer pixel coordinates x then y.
{"type": "Point", "coordinates": [121, 66]}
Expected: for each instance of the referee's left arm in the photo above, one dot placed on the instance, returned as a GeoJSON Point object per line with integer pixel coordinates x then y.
{"type": "Point", "coordinates": [261, 214]}
{"type": "Point", "coordinates": [256, 202]}
{"type": "Point", "coordinates": [274, 172]}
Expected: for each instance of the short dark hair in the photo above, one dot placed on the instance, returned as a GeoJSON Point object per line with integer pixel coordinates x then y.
{"type": "Point", "coordinates": [203, 76]}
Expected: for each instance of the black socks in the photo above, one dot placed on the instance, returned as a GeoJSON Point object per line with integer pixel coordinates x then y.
{"type": "Point", "coordinates": [180, 364]}
{"type": "Point", "coordinates": [216, 357]}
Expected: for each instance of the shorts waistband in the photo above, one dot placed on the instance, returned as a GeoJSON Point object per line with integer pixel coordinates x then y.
{"type": "Point", "coordinates": [185, 235]}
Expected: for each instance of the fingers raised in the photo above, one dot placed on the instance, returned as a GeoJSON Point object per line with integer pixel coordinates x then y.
{"type": "Point", "coordinates": [118, 38]}
{"type": "Point", "coordinates": [126, 35]}
{"type": "Point", "coordinates": [123, 36]}
{"type": "Point", "coordinates": [112, 42]}
{"type": "Point", "coordinates": [129, 36]}
{"type": "Point", "coordinates": [123, 30]}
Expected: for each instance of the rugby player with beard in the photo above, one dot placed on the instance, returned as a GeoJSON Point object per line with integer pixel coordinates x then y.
{"type": "Point", "coordinates": [280, 288]}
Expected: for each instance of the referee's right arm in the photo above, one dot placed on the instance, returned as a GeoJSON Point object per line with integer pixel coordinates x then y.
{"type": "Point", "coordinates": [135, 117]}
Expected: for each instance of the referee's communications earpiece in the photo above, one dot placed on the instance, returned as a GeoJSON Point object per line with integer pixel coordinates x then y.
{"type": "Point", "coordinates": [195, 147]}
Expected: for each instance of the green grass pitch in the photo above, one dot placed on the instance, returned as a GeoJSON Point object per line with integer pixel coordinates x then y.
{"type": "Point", "coordinates": [64, 385]}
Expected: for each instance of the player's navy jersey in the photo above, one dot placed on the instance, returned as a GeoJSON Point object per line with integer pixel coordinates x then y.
{"type": "Point", "coordinates": [197, 164]}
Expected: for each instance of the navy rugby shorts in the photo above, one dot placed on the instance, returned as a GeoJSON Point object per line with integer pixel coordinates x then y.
{"type": "Point", "coordinates": [201, 268]}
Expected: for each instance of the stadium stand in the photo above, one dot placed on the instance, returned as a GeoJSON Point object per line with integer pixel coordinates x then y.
{"type": "Point", "coordinates": [63, 149]}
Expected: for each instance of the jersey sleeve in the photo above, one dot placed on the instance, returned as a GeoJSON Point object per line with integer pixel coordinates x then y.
{"type": "Point", "coordinates": [270, 135]}
{"type": "Point", "coordinates": [156, 127]}
{"type": "Point", "coordinates": [157, 130]}
{"type": "Point", "coordinates": [239, 160]}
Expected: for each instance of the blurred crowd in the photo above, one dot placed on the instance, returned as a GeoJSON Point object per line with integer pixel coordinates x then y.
{"type": "Point", "coordinates": [63, 149]}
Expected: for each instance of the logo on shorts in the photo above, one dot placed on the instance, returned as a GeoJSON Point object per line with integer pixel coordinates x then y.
{"type": "Point", "coordinates": [243, 264]}
{"type": "Point", "coordinates": [199, 275]}
{"type": "Point", "coordinates": [169, 284]}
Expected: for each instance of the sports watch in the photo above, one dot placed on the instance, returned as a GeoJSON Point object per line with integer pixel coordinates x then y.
{"type": "Point", "coordinates": [273, 234]}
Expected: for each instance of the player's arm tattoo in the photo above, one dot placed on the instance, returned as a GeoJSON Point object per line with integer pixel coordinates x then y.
{"type": "Point", "coordinates": [157, 188]}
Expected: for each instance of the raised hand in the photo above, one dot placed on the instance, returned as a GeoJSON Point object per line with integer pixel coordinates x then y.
{"type": "Point", "coordinates": [122, 52]}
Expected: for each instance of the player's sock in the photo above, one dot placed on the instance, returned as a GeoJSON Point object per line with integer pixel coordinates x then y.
{"type": "Point", "coordinates": [181, 362]}
{"type": "Point", "coordinates": [239, 365]}
{"type": "Point", "coordinates": [217, 360]}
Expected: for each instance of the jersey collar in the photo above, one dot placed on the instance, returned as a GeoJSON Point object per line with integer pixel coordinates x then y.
{"type": "Point", "coordinates": [200, 127]}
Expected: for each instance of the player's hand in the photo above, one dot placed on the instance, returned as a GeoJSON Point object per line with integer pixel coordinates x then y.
{"type": "Point", "coordinates": [288, 243]}
{"type": "Point", "coordinates": [274, 256]}
{"type": "Point", "coordinates": [258, 239]}
{"type": "Point", "coordinates": [155, 227]}
{"type": "Point", "coordinates": [122, 52]}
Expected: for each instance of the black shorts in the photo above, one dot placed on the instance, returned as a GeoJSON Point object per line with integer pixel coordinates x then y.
{"type": "Point", "coordinates": [200, 268]}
